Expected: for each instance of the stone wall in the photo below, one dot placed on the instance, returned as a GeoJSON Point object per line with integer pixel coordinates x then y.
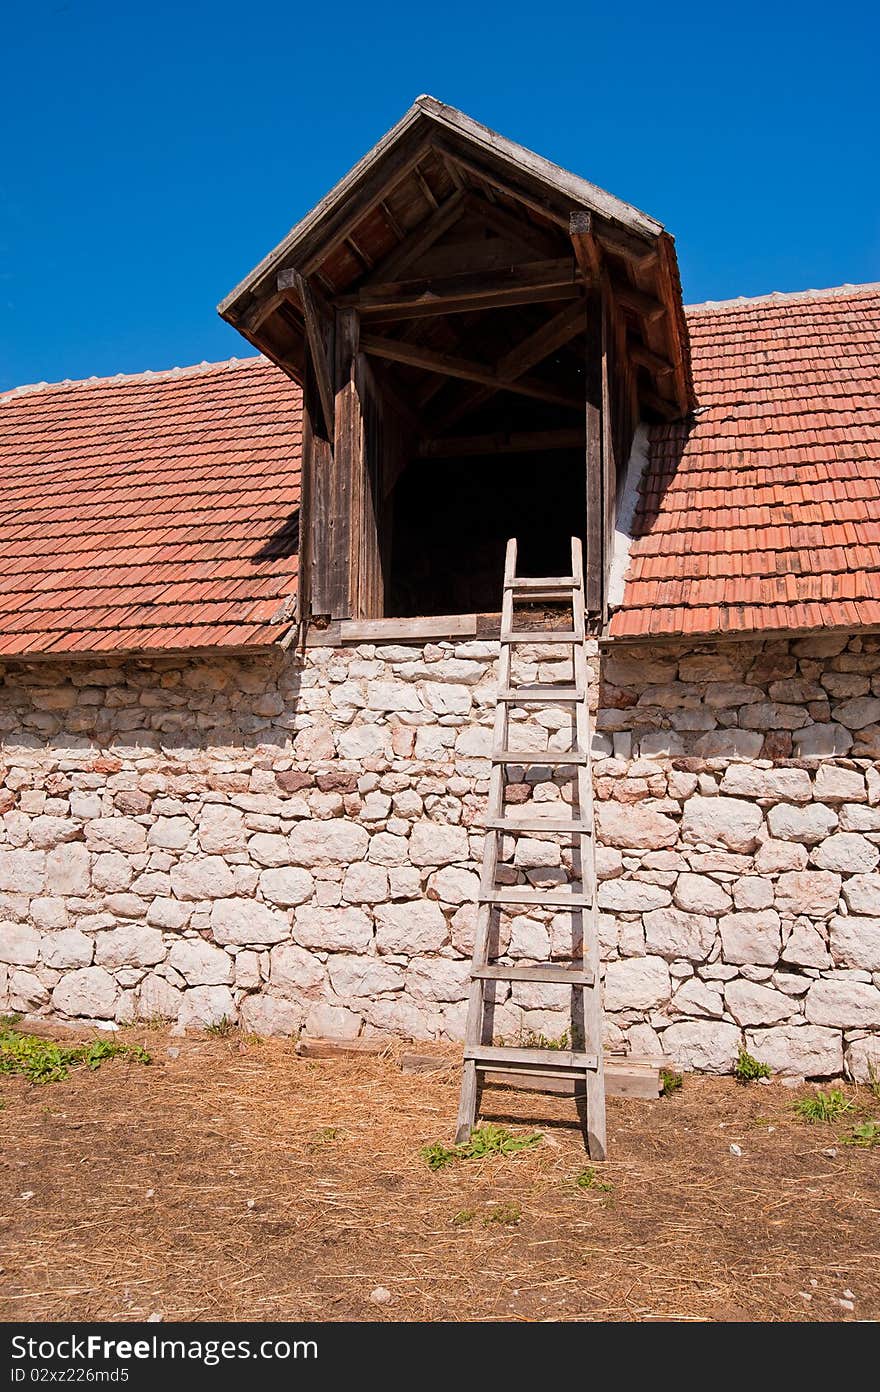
{"type": "Point", "coordinates": [294, 842]}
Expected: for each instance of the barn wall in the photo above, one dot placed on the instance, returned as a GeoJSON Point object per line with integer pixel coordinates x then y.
{"type": "Point", "coordinates": [295, 843]}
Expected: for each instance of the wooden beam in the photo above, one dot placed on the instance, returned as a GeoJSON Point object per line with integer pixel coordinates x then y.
{"type": "Point", "coordinates": [583, 240]}
{"type": "Point", "coordinates": [669, 410]}
{"type": "Point", "coordinates": [498, 181]}
{"type": "Point", "coordinates": [552, 335]}
{"type": "Point", "coordinates": [419, 240]}
{"type": "Point", "coordinates": [380, 174]}
{"type": "Point", "coordinates": [317, 334]}
{"type": "Point", "coordinates": [676, 326]}
{"type": "Point", "coordinates": [447, 365]}
{"type": "Point", "coordinates": [594, 560]}
{"type": "Point", "coordinates": [560, 329]}
{"type": "Point", "coordinates": [466, 290]}
{"type": "Point", "coordinates": [348, 443]}
{"type": "Point", "coordinates": [427, 191]}
{"type": "Point", "coordinates": [646, 306]}
{"type": "Point", "coordinates": [544, 241]}
{"type": "Point", "coordinates": [389, 217]}
{"type": "Point", "coordinates": [469, 304]}
{"type": "Point", "coordinates": [638, 252]}
{"type": "Point", "coordinates": [501, 442]}
{"type": "Point", "coordinates": [645, 357]}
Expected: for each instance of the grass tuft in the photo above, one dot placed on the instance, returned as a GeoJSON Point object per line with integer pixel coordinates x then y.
{"type": "Point", "coordinates": [588, 1179]}
{"type": "Point", "coordinates": [865, 1134]}
{"type": "Point", "coordinates": [670, 1081]}
{"type": "Point", "coordinates": [823, 1106]}
{"type": "Point", "coordinates": [507, 1215]}
{"type": "Point", "coordinates": [44, 1061]}
{"type": "Point", "coordinates": [485, 1141]}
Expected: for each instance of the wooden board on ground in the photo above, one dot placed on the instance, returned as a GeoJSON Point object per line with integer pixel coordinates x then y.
{"type": "Point", "coordinates": [309, 1047]}
{"type": "Point", "coordinates": [624, 1077]}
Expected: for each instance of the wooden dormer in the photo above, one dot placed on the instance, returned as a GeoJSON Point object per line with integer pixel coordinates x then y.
{"type": "Point", "coordinates": [477, 334]}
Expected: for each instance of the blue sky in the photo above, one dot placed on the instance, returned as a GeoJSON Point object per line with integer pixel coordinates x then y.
{"type": "Point", "coordinates": [152, 154]}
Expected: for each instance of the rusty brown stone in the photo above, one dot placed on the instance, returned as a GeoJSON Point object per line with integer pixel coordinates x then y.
{"type": "Point", "coordinates": [335, 782]}
{"type": "Point", "coordinates": [777, 745]}
{"type": "Point", "coordinates": [292, 780]}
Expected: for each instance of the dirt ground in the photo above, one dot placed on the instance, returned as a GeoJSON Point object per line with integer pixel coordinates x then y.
{"type": "Point", "coordinates": [233, 1180]}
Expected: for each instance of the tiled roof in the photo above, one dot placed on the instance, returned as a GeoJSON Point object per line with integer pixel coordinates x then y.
{"type": "Point", "coordinates": [155, 512]}
{"type": "Point", "coordinates": [764, 514]}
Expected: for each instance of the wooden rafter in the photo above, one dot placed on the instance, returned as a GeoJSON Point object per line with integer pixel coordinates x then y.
{"type": "Point", "coordinates": [316, 323]}
{"type": "Point", "coordinates": [494, 180]}
{"type": "Point", "coordinates": [448, 365]}
{"type": "Point", "coordinates": [646, 357]}
{"type": "Point", "coordinates": [419, 240]}
{"type": "Point", "coordinates": [586, 250]}
{"type": "Point", "coordinates": [469, 290]}
{"type": "Point", "coordinates": [645, 306]}
{"type": "Point", "coordinates": [538, 345]}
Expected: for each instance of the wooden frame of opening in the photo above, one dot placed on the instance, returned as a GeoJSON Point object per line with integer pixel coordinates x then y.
{"type": "Point", "coordinates": [370, 301]}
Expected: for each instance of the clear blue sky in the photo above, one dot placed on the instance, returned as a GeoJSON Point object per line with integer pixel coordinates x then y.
{"type": "Point", "coordinates": [153, 153]}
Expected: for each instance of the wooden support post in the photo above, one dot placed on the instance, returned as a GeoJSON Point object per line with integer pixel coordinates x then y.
{"type": "Point", "coordinates": [347, 467]}
{"type": "Point", "coordinates": [595, 559]}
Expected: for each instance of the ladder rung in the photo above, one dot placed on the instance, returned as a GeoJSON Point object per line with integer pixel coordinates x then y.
{"type": "Point", "coordinates": [514, 824]}
{"type": "Point", "coordinates": [553, 594]}
{"type": "Point", "coordinates": [541, 635]}
{"type": "Point", "coordinates": [539, 756]}
{"type": "Point", "coordinates": [530, 1060]}
{"type": "Point", "coordinates": [547, 898]}
{"type": "Point", "coordinates": [551, 975]}
{"type": "Point", "coordinates": [528, 583]}
{"type": "Point", "coordinates": [542, 693]}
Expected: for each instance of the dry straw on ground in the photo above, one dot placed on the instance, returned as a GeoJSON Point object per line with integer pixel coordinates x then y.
{"type": "Point", "coordinates": [234, 1180]}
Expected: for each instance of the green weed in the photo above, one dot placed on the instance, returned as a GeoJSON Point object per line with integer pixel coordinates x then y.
{"type": "Point", "coordinates": [484, 1141]}
{"type": "Point", "coordinates": [748, 1069]}
{"type": "Point", "coordinates": [507, 1215]}
{"type": "Point", "coordinates": [865, 1134]}
{"type": "Point", "coordinates": [463, 1217]}
{"type": "Point", "coordinates": [823, 1106]}
{"type": "Point", "coordinates": [670, 1081]}
{"type": "Point", "coordinates": [221, 1029]}
{"type": "Point", "coordinates": [588, 1179]}
{"type": "Point", "coordinates": [44, 1061]}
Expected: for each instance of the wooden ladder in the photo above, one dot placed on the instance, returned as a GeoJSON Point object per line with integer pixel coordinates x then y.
{"type": "Point", "coordinates": [481, 1057]}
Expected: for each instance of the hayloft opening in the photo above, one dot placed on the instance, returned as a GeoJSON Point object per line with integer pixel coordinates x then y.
{"type": "Point", "coordinates": [477, 333]}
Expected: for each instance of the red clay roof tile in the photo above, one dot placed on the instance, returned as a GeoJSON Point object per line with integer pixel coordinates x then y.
{"type": "Point", "coordinates": [764, 512]}
{"type": "Point", "coordinates": [149, 512]}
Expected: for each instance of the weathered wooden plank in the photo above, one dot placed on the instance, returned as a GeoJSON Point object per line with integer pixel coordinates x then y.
{"type": "Point", "coordinates": [310, 1046]}
{"type": "Point", "coordinates": [553, 1060]}
{"type": "Point", "coordinates": [403, 630]}
{"type": "Point", "coordinates": [676, 327]}
{"type": "Point", "coordinates": [594, 560]}
{"type": "Point", "coordinates": [623, 1077]}
{"type": "Point", "coordinates": [586, 250]}
{"type": "Point", "coordinates": [319, 336]}
{"type": "Point", "coordinates": [465, 289]}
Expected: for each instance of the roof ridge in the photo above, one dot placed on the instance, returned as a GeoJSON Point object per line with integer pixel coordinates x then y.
{"type": "Point", "coordinates": [846, 291]}
{"type": "Point", "coordinates": [162, 374]}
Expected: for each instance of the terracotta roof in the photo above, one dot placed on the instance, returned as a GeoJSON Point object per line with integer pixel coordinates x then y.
{"type": "Point", "coordinates": [159, 512]}
{"type": "Point", "coordinates": [764, 513]}
{"type": "Point", "coordinates": [155, 512]}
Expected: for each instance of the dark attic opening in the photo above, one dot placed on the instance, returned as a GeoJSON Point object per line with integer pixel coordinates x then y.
{"type": "Point", "coordinates": [477, 334]}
